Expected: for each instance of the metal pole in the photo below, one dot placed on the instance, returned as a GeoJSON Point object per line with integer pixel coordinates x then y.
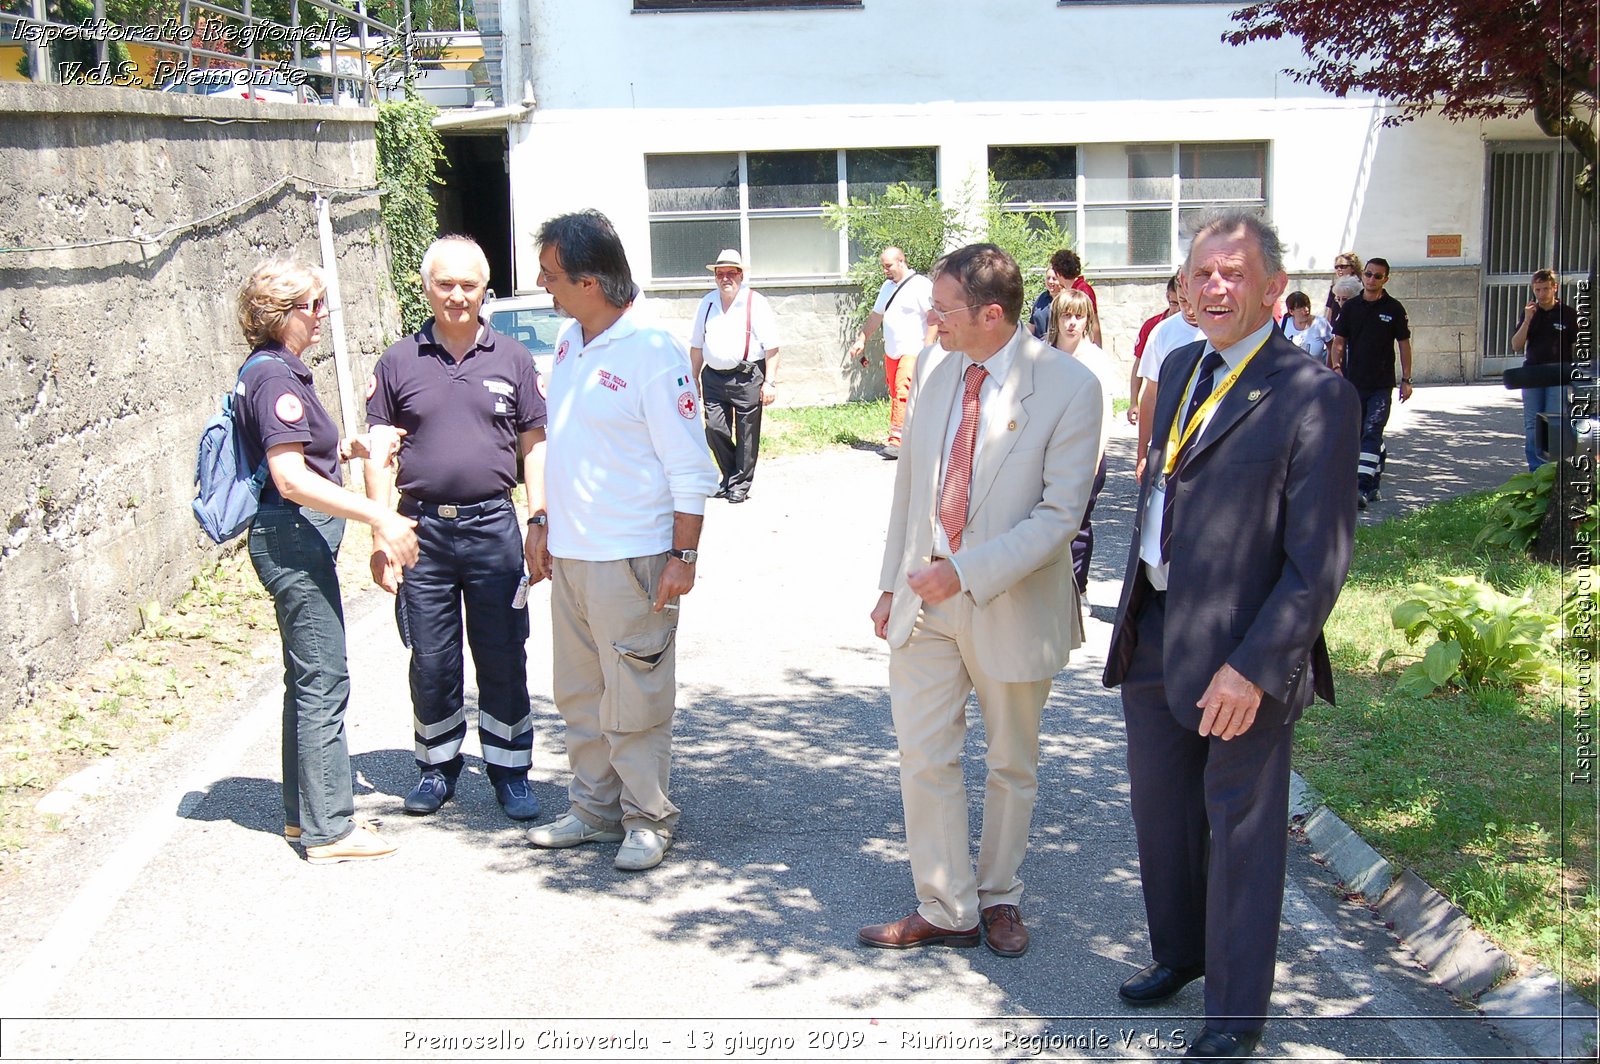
{"type": "Point", "coordinates": [38, 54]}
{"type": "Point", "coordinates": [341, 351]}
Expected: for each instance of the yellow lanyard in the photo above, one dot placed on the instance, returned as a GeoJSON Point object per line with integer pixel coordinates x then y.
{"type": "Point", "coordinates": [1175, 442]}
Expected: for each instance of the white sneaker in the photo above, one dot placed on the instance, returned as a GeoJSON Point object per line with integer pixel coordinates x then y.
{"type": "Point", "coordinates": [642, 849]}
{"type": "Point", "coordinates": [570, 831]}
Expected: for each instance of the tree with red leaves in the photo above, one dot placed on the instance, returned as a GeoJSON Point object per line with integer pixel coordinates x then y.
{"type": "Point", "coordinates": [1465, 59]}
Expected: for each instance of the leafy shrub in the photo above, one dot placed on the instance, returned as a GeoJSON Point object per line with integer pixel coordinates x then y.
{"type": "Point", "coordinates": [1519, 508]}
{"type": "Point", "coordinates": [925, 225]}
{"type": "Point", "coordinates": [1484, 637]}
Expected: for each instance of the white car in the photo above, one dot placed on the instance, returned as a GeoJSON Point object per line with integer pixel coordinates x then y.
{"type": "Point", "coordinates": [240, 83]}
{"type": "Point", "coordinates": [533, 322]}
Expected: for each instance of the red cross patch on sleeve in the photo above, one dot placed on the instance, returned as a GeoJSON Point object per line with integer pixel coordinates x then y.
{"type": "Point", "coordinates": [686, 405]}
{"type": "Point", "coordinates": [288, 409]}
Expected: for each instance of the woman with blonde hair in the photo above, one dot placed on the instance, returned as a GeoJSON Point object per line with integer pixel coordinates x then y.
{"type": "Point", "coordinates": [1073, 319]}
{"type": "Point", "coordinates": [1346, 264]}
{"type": "Point", "coordinates": [293, 543]}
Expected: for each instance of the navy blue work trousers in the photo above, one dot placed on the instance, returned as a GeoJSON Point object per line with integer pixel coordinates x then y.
{"type": "Point", "coordinates": [474, 562]}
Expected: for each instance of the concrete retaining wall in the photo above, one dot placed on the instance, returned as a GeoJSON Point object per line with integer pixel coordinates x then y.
{"type": "Point", "coordinates": [113, 356]}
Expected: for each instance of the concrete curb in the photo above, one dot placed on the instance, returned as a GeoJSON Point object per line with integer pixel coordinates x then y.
{"type": "Point", "coordinates": [1535, 1011]}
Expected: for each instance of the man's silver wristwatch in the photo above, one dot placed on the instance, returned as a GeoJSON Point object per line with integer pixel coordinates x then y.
{"type": "Point", "coordinates": [539, 519]}
{"type": "Point", "coordinates": [687, 557]}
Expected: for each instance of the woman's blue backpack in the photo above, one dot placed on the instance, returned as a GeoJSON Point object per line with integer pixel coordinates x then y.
{"type": "Point", "coordinates": [228, 491]}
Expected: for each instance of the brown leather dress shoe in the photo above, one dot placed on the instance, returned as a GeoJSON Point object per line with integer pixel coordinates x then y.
{"type": "Point", "coordinates": [914, 931]}
{"type": "Point", "coordinates": [1002, 925]}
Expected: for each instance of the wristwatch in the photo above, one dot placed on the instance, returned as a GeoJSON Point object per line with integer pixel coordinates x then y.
{"type": "Point", "coordinates": [541, 519]}
{"type": "Point", "coordinates": [687, 557]}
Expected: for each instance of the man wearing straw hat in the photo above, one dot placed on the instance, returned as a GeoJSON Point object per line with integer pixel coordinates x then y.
{"type": "Point", "coordinates": [734, 349]}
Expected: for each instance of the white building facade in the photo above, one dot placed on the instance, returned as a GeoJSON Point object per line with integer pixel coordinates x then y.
{"type": "Point", "coordinates": [701, 125]}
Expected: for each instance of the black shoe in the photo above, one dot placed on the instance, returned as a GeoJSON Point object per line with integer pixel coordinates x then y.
{"type": "Point", "coordinates": [1361, 500]}
{"type": "Point", "coordinates": [1223, 1045]}
{"type": "Point", "coordinates": [722, 493]}
{"type": "Point", "coordinates": [432, 791]}
{"type": "Point", "coordinates": [1158, 983]}
{"type": "Point", "coordinates": [890, 451]}
{"type": "Point", "coordinates": [736, 496]}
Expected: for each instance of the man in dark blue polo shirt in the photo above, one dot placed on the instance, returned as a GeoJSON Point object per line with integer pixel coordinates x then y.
{"type": "Point", "coordinates": [466, 396]}
{"type": "Point", "coordinates": [1365, 339]}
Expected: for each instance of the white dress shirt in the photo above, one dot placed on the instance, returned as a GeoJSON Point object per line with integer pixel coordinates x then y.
{"type": "Point", "coordinates": [1150, 529]}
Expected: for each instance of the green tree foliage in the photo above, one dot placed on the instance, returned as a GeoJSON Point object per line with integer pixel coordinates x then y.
{"type": "Point", "coordinates": [409, 150]}
{"type": "Point", "coordinates": [903, 216]}
{"type": "Point", "coordinates": [1466, 59]}
{"type": "Point", "coordinates": [925, 226]}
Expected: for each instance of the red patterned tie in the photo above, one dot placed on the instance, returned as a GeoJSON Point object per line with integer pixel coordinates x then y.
{"type": "Point", "coordinates": [958, 473]}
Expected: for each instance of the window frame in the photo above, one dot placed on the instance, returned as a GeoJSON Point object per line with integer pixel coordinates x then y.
{"type": "Point", "coordinates": [745, 213]}
{"type": "Point", "coordinates": [1175, 204]}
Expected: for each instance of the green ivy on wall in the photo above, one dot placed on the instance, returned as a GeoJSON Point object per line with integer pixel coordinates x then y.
{"type": "Point", "coordinates": [409, 151]}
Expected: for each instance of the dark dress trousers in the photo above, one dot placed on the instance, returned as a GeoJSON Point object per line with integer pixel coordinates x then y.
{"type": "Point", "coordinates": [1262, 524]}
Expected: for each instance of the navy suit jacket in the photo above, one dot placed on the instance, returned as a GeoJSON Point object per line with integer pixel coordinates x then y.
{"type": "Point", "coordinates": [1263, 516]}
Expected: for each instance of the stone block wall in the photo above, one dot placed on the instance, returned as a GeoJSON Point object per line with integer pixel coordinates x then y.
{"type": "Point", "coordinates": [114, 354]}
{"type": "Point", "coordinates": [1441, 302]}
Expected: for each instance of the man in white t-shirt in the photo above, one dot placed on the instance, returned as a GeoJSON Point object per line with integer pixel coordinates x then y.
{"type": "Point", "coordinates": [902, 310]}
{"type": "Point", "coordinates": [734, 348]}
{"type": "Point", "coordinates": [626, 477]}
{"type": "Point", "coordinates": [1175, 332]}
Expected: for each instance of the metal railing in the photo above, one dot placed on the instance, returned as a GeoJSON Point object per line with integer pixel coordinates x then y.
{"type": "Point", "coordinates": [324, 45]}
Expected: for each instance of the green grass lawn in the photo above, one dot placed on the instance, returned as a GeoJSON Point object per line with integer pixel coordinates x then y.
{"type": "Point", "coordinates": [806, 429]}
{"type": "Point", "coordinates": [1467, 788]}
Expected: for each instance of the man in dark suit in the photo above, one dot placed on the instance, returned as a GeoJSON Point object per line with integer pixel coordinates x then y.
{"type": "Point", "coordinates": [1243, 537]}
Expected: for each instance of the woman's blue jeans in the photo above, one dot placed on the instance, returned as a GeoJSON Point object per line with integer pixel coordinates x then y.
{"type": "Point", "coordinates": [293, 550]}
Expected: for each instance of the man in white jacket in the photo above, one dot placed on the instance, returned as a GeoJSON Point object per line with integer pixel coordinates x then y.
{"type": "Point", "coordinates": [626, 481]}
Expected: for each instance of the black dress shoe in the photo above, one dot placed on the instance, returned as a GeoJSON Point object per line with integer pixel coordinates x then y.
{"type": "Point", "coordinates": [736, 496]}
{"type": "Point", "coordinates": [1223, 1045]}
{"type": "Point", "coordinates": [1158, 983]}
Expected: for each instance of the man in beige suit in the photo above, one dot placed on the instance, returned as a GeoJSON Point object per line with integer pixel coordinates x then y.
{"type": "Point", "coordinates": [1000, 450]}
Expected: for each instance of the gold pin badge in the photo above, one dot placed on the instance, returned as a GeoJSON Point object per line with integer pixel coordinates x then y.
{"type": "Point", "coordinates": [1011, 426]}
{"type": "Point", "coordinates": [1254, 395]}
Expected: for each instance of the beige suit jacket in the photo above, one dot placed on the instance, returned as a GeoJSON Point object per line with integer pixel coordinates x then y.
{"type": "Point", "coordinates": [1028, 494]}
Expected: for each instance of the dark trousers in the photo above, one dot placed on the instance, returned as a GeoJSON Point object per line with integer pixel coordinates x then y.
{"type": "Point", "coordinates": [1212, 823]}
{"type": "Point", "coordinates": [1374, 416]}
{"type": "Point", "coordinates": [293, 551]}
{"type": "Point", "coordinates": [733, 422]}
{"type": "Point", "coordinates": [473, 561]}
{"type": "Point", "coordinates": [1083, 542]}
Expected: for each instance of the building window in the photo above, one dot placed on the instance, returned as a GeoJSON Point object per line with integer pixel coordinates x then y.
{"type": "Point", "coordinates": [767, 204]}
{"type": "Point", "coordinates": [736, 5]}
{"type": "Point", "coordinates": [1126, 204]}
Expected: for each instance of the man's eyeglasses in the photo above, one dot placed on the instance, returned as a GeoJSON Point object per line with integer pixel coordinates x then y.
{"type": "Point", "coordinates": [316, 306]}
{"type": "Point", "coordinates": [940, 315]}
{"type": "Point", "coordinates": [1375, 276]}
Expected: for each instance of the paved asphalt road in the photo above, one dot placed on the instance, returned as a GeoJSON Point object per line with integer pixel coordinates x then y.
{"type": "Point", "coordinates": [174, 922]}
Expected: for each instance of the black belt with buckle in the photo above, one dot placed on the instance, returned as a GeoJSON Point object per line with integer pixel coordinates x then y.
{"type": "Point", "coordinates": [452, 510]}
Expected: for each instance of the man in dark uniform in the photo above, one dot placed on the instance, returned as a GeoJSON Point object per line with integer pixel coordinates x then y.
{"type": "Point", "coordinates": [1364, 340]}
{"type": "Point", "coordinates": [466, 397]}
